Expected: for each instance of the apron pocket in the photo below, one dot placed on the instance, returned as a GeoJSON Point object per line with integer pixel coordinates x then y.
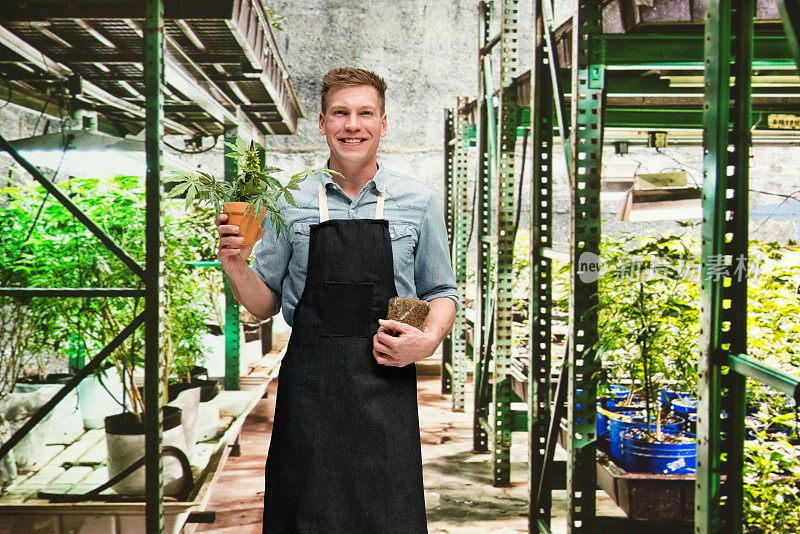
{"type": "Point", "coordinates": [347, 309]}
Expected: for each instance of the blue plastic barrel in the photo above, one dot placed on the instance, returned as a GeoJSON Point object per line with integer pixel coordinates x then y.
{"type": "Point", "coordinates": [684, 405]}
{"type": "Point", "coordinates": [642, 456]}
{"type": "Point", "coordinates": [620, 392]}
{"type": "Point", "coordinates": [616, 427]}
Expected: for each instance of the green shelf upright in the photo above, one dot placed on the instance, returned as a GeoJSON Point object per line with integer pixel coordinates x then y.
{"type": "Point", "coordinates": [482, 214]}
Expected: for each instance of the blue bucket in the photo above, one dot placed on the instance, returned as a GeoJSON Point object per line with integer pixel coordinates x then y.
{"type": "Point", "coordinates": [684, 405]}
{"type": "Point", "coordinates": [618, 426]}
{"type": "Point", "coordinates": [641, 456]}
{"type": "Point", "coordinates": [606, 409]}
{"type": "Point", "coordinates": [669, 395]}
{"type": "Point", "coordinates": [620, 392]}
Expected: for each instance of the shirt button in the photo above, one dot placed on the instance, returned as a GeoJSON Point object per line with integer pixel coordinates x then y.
{"type": "Point", "coordinates": [352, 211]}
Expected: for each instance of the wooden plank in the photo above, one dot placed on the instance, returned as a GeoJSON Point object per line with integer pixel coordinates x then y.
{"type": "Point", "coordinates": [31, 485]}
{"type": "Point", "coordinates": [68, 479]}
{"type": "Point", "coordinates": [85, 442]}
{"type": "Point", "coordinates": [96, 455]}
{"type": "Point", "coordinates": [94, 479]}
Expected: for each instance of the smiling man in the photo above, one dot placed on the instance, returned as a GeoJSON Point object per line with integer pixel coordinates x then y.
{"type": "Point", "coordinates": [345, 449]}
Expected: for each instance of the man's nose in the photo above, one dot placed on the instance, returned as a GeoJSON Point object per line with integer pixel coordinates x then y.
{"type": "Point", "coordinates": [352, 122]}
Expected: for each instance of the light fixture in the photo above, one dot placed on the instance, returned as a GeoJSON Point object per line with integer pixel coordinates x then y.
{"type": "Point", "coordinates": [90, 154]}
{"type": "Point", "coordinates": [661, 197]}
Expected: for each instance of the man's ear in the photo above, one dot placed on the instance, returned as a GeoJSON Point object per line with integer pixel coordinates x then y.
{"type": "Point", "coordinates": [322, 123]}
{"type": "Point", "coordinates": [383, 125]}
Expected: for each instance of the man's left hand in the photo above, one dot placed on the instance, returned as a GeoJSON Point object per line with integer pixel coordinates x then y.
{"type": "Point", "coordinates": [411, 345]}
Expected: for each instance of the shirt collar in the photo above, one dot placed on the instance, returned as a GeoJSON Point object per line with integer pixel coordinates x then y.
{"type": "Point", "coordinates": [378, 181]}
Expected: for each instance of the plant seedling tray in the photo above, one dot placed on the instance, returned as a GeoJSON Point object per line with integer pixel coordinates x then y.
{"type": "Point", "coordinates": [645, 496]}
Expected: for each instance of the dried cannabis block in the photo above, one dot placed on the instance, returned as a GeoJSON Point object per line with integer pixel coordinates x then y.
{"type": "Point", "coordinates": [409, 311]}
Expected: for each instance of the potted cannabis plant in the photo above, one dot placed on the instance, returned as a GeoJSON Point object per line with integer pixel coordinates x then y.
{"type": "Point", "coordinates": [647, 326]}
{"type": "Point", "coordinates": [248, 198]}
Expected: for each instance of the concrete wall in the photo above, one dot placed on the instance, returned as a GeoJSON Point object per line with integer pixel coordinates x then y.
{"type": "Point", "coordinates": [427, 52]}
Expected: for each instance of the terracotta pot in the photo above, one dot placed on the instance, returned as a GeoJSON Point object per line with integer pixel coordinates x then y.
{"type": "Point", "coordinates": [248, 228]}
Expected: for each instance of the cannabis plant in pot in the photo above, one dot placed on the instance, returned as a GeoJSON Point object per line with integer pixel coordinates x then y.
{"type": "Point", "coordinates": [648, 313]}
{"type": "Point", "coordinates": [249, 197]}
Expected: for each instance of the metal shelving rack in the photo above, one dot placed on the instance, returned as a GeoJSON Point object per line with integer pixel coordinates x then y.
{"type": "Point", "coordinates": [161, 41]}
{"type": "Point", "coordinates": [725, 114]}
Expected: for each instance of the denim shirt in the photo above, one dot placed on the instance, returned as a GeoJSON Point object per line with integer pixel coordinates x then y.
{"type": "Point", "coordinates": [420, 246]}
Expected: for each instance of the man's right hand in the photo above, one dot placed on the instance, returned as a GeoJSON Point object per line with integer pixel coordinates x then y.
{"type": "Point", "coordinates": [231, 253]}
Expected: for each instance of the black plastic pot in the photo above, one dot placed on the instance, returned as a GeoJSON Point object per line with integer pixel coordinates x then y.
{"type": "Point", "coordinates": [198, 372]}
{"type": "Point", "coordinates": [125, 441]}
{"type": "Point", "coordinates": [128, 424]}
{"type": "Point", "coordinates": [179, 387]}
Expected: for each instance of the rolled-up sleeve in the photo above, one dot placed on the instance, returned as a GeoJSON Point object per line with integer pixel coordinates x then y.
{"type": "Point", "coordinates": [271, 260]}
{"type": "Point", "coordinates": [433, 273]}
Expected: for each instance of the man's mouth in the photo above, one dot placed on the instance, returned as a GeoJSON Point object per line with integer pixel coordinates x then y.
{"type": "Point", "coordinates": [352, 140]}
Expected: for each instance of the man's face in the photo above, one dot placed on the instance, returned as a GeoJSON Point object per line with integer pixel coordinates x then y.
{"type": "Point", "coordinates": [353, 125]}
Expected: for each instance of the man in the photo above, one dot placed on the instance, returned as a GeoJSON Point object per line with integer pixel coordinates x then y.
{"type": "Point", "coordinates": [344, 455]}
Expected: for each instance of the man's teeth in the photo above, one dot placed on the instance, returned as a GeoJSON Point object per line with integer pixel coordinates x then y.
{"type": "Point", "coordinates": [352, 141]}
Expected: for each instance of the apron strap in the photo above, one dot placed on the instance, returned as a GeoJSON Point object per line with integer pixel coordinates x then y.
{"type": "Point", "coordinates": [324, 215]}
{"type": "Point", "coordinates": [323, 204]}
{"type": "Point", "coordinates": [379, 206]}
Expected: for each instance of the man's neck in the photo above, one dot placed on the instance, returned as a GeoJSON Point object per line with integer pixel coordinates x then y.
{"type": "Point", "coordinates": [355, 178]}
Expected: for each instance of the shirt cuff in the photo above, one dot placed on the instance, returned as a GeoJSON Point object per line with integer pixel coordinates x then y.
{"type": "Point", "coordinates": [440, 294]}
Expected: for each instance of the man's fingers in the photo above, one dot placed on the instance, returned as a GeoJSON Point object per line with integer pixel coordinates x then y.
{"type": "Point", "coordinates": [386, 338]}
{"type": "Point", "coordinates": [397, 326]}
{"type": "Point", "coordinates": [379, 345]}
{"type": "Point", "coordinates": [230, 241]}
{"type": "Point", "coordinates": [383, 359]}
{"type": "Point", "coordinates": [227, 229]}
{"type": "Point", "coordinates": [221, 218]}
{"type": "Point", "coordinates": [227, 252]}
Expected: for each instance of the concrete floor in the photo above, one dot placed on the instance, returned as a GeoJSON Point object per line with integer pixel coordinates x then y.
{"type": "Point", "coordinates": [458, 492]}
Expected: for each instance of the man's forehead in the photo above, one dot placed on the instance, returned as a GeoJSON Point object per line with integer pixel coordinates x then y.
{"type": "Point", "coordinates": [354, 95]}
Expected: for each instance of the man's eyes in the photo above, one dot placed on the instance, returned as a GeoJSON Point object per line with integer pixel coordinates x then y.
{"type": "Point", "coordinates": [342, 112]}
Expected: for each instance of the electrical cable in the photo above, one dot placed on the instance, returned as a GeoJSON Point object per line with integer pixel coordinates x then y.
{"type": "Point", "coordinates": [518, 211]}
{"type": "Point", "coordinates": [41, 114]}
{"type": "Point", "coordinates": [472, 219]}
{"type": "Point", "coordinates": [10, 93]}
{"type": "Point", "coordinates": [784, 201]}
{"type": "Point", "coordinates": [201, 151]}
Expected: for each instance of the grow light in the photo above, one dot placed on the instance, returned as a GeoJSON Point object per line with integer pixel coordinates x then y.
{"type": "Point", "coordinates": [90, 154]}
{"type": "Point", "coordinates": [665, 204]}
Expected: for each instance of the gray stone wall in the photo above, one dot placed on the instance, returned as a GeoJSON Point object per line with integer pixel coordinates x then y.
{"type": "Point", "coordinates": [427, 52]}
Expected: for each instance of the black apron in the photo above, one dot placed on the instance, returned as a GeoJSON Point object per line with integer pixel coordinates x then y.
{"type": "Point", "coordinates": [344, 456]}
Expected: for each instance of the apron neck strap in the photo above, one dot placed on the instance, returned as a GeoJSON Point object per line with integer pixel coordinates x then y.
{"type": "Point", "coordinates": [323, 204]}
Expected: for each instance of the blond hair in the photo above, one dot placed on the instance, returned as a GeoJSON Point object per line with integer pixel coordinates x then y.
{"type": "Point", "coordinates": [348, 77]}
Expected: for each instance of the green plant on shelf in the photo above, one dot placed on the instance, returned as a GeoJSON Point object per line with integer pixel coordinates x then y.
{"type": "Point", "coordinates": [59, 251]}
{"type": "Point", "coordinates": [254, 184]}
{"type": "Point", "coordinates": [648, 313]}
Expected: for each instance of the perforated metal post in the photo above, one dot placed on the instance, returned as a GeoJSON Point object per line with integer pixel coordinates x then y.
{"type": "Point", "coordinates": [587, 145]}
{"type": "Point", "coordinates": [726, 144]}
{"type": "Point", "coordinates": [482, 228]}
{"type": "Point", "coordinates": [459, 253]}
{"type": "Point", "coordinates": [449, 197]}
{"type": "Point", "coordinates": [232, 323]}
{"type": "Point", "coordinates": [505, 234]}
{"type": "Point", "coordinates": [541, 231]}
{"type": "Point", "coordinates": [153, 78]}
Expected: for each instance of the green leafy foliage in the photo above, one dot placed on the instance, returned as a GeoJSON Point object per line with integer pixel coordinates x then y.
{"type": "Point", "coordinates": [771, 486]}
{"type": "Point", "coordinates": [648, 313]}
{"type": "Point", "coordinates": [255, 184]}
{"type": "Point", "coordinates": [59, 251]}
